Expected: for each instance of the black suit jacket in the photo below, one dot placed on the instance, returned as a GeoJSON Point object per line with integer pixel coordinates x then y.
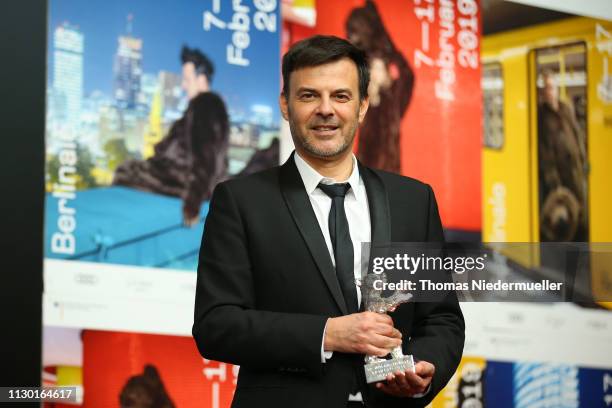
{"type": "Point", "coordinates": [266, 287]}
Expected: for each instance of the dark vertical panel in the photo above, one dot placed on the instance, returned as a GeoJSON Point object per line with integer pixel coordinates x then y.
{"type": "Point", "coordinates": [22, 115]}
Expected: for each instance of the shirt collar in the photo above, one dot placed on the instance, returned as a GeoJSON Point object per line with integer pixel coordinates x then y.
{"type": "Point", "coordinates": [311, 178]}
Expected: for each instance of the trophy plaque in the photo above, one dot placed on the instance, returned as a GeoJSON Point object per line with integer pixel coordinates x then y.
{"type": "Point", "coordinates": [377, 369]}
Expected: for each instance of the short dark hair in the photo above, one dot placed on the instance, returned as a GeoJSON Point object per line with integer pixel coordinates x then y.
{"type": "Point", "coordinates": [203, 65]}
{"type": "Point", "coordinates": [323, 49]}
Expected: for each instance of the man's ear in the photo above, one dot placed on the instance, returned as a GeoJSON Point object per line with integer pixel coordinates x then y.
{"type": "Point", "coordinates": [284, 107]}
{"type": "Point", "coordinates": [363, 108]}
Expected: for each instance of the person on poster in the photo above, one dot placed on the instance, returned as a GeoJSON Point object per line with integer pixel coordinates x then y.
{"type": "Point", "coordinates": [145, 390]}
{"type": "Point", "coordinates": [262, 159]}
{"type": "Point", "coordinates": [192, 158]}
{"type": "Point", "coordinates": [276, 288]}
{"type": "Point", "coordinates": [562, 168]}
{"type": "Point", "coordinates": [390, 90]}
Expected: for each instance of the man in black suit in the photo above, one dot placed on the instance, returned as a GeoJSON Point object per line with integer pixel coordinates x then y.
{"type": "Point", "coordinates": [276, 292]}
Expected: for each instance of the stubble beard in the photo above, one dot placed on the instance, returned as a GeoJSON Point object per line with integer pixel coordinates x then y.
{"type": "Point", "coordinates": [306, 143]}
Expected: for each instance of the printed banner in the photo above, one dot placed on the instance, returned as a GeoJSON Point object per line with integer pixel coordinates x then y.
{"type": "Point", "coordinates": [149, 107]}
{"type": "Point", "coordinates": [424, 119]}
{"type": "Point", "coordinates": [132, 369]}
{"type": "Point", "coordinates": [481, 383]}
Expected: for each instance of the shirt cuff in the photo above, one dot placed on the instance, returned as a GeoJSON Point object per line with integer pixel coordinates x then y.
{"type": "Point", "coordinates": [325, 355]}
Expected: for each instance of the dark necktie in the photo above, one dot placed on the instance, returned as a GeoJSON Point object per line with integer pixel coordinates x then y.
{"type": "Point", "coordinates": [341, 243]}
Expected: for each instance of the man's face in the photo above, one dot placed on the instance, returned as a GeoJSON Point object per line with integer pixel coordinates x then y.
{"type": "Point", "coordinates": [193, 84]}
{"type": "Point", "coordinates": [551, 92]}
{"type": "Point", "coordinates": [323, 108]}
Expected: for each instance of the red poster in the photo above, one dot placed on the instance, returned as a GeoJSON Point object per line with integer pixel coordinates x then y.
{"type": "Point", "coordinates": [135, 368]}
{"type": "Point", "coordinates": [425, 99]}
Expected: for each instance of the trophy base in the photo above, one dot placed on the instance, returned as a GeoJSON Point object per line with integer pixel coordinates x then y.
{"type": "Point", "coordinates": [379, 370]}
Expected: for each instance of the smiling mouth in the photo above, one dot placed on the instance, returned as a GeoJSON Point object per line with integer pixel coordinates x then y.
{"type": "Point", "coordinates": [324, 128]}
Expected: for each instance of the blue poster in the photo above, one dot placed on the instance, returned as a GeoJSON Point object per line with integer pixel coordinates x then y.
{"type": "Point", "coordinates": [558, 385]}
{"type": "Point", "coordinates": [149, 106]}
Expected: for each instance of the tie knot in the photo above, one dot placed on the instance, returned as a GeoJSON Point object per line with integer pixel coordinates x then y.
{"type": "Point", "coordinates": [335, 190]}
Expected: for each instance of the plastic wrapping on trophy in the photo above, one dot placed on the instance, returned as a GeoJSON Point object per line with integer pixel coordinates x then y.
{"type": "Point", "coordinates": [376, 368]}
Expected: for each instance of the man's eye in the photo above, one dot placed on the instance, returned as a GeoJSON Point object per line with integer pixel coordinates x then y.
{"type": "Point", "coordinates": [342, 97]}
{"type": "Point", "coordinates": [306, 96]}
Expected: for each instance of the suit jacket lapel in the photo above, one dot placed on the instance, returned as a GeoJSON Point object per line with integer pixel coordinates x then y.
{"type": "Point", "coordinates": [294, 193]}
{"type": "Point", "coordinates": [380, 216]}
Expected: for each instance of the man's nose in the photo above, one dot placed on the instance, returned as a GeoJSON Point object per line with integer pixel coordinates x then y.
{"type": "Point", "coordinates": [325, 107]}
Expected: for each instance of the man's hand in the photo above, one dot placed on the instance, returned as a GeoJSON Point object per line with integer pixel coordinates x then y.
{"type": "Point", "coordinates": [408, 384]}
{"type": "Point", "coordinates": [365, 333]}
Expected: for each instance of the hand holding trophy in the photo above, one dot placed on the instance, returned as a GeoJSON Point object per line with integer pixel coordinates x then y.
{"type": "Point", "coordinates": [377, 369]}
